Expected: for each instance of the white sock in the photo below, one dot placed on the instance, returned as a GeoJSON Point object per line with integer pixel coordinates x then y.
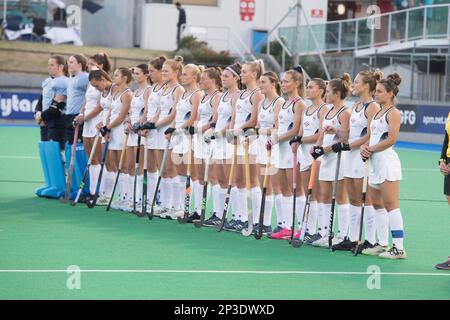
{"type": "Point", "coordinates": [139, 186]}
{"type": "Point", "coordinates": [243, 213]}
{"type": "Point", "coordinates": [355, 223]}
{"type": "Point", "coordinates": [369, 224]}
{"type": "Point", "coordinates": [221, 204]}
{"type": "Point", "coordinates": [130, 190]}
{"type": "Point", "coordinates": [216, 199]}
{"type": "Point", "coordinates": [152, 178]}
{"type": "Point", "coordinates": [174, 199]}
{"type": "Point", "coordinates": [94, 172]}
{"type": "Point", "coordinates": [234, 199]}
{"type": "Point", "coordinates": [198, 197]}
{"type": "Point", "coordinates": [268, 210]}
{"type": "Point", "coordinates": [326, 210]}
{"type": "Point", "coordinates": [287, 209]}
{"type": "Point", "coordinates": [164, 192]}
{"type": "Point", "coordinates": [279, 210]}
{"type": "Point", "coordinates": [396, 224]}
{"type": "Point", "coordinates": [256, 203]}
{"type": "Point", "coordinates": [107, 183]}
{"type": "Point", "coordinates": [180, 193]}
{"type": "Point", "coordinates": [343, 220]}
{"type": "Point", "coordinates": [300, 203]}
{"type": "Point", "coordinates": [123, 181]}
{"type": "Point", "coordinates": [311, 227]}
{"type": "Point", "coordinates": [382, 226]}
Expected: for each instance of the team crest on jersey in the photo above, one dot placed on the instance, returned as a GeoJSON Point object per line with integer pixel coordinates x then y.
{"type": "Point", "coordinates": [307, 124]}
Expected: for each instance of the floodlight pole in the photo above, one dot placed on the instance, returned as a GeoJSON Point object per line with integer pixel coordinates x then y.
{"type": "Point", "coordinates": [297, 35]}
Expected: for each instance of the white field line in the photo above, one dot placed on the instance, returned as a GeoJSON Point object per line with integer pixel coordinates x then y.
{"type": "Point", "coordinates": [412, 274]}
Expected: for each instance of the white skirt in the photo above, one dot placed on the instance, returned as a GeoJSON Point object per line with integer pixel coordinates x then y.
{"type": "Point", "coordinates": [353, 165]}
{"type": "Point", "coordinates": [89, 127]}
{"type": "Point", "coordinates": [384, 165]}
{"type": "Point", "coordinates": [133, 140]}
{"type": "Point", "coordinates": [262, 156]}
{"type": "Point", "coordinates": [222, 150]}
{"type": "Point", "coordinates": [328, 167]}
{"type": "Point", "coordinates": [180, 143]}
{"type": "Point", "coordinates": [160, 138]}
{"type": "Point", "coordinates": [283, 155]}
{"type": "Point", "coordinates": [117, 137]}
{"type": "Point", "coordinates": [252, 150]}
{"type": "Point", "coordinates": [202, 150]}
{"type": "Point", "coordinates": [304, 156]}
{"type": "Point", "coordinates": [152, 140]}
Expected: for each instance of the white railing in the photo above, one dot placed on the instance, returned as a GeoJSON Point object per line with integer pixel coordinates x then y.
{"type": "Point", "coordinates": [430, 22]}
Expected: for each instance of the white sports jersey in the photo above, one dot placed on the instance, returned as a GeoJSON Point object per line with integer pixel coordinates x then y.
{"type": "Point", "coordinates": [379, 128]}
{"type": "Point", "coordinates": [154, 101]}
{"type": "Point", "coordinates": [311, 122]}
{"type": "Point", "coordinates": [286, 116]}
{"type": "Point", "coordinates": [137, 105]}
{"type": "Point", "coordinates": [330, 139]}
{"type": "Point", "coordinates": [205, 110]}
{"type": "Point", "coordinates": [116, 104]}
{"type": "Point", "coordinates": [358, 123]}
{"type": "Point", "coordinates": [184, 109]}
{"type": "Point", "coordinates": [224, 112]}
{"type": "Point", "coordinates": [243, 109]}
{"type": "Point", "coordinates": [92, 99]}
{"type": "Point", "coordinates": [166, 102]}
{"type": "Point", "coordinates": [105, 103]}
{"type": "Point", "coordinates": [266, 114]}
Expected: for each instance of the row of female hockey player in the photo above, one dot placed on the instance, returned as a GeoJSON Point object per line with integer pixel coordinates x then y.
{"type": "Point", "coordinates": [199, 117]}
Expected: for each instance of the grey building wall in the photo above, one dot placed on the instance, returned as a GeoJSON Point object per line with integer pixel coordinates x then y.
{"type": "Point", "coordinates": [114, 26]}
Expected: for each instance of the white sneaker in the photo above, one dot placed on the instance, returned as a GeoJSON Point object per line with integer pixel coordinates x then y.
{"type": "Point", "coordinates": [393, 254]}
{"type": "Point", "coordinates": [375, 251]}
{"type": "Point", "coordinates": [127, 206]}
{"type": "Point", "coordinates": [179, 213]}
{"type": "Point", "coordinates": [156, 209]}
{"type": "Point", "coordinates": [102, 201]}
{"type": "Point", "coordinates": [322, 242]}
{"type": "Point", "coordinates": [171, 214]}
{"type": "Point", "coordinates": [163, 213]}
{"type": "Point", "coordinates": [117, 204]}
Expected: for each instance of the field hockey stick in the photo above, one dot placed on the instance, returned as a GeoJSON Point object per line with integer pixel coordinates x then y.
{"type": "Point", "coordinates": [144, 181]}
{"type": "Point", "coordinates": [294, 198]}
{"type": "Point", "coordinates": [230, 181]}
{"type": "Point", "coordinates": [258, 234]}
{"type": "Point", "coordinates": [122, 157]}
{"type": "Point", "coordinates": [187, 189]}
{"type": "Point", "coordinates": [333, 200]}
{"type": "Point", "coordinates": [296, 243]}
{"type": "Point", "coordinates": [249, 230]}
{"type": "Point", "coordinates": [86, 171]}
{"type": "Point", "coordinates": [161, 171]}
{"type": "Point", "coordinates": [91, 203]}
{"type": "Point", "coordinates": [199, 224]}
{"type": "Point", "coordinates": [71, 167]}
{"type": "Point", "coordinates": [136, 172]}
{"type": "Point", "coordinates": [363, 205]}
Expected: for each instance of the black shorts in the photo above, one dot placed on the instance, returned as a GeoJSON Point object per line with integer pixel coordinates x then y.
{"type": "Point", "coordinates": [55, 131]}
{"type": "Point", "coordinates": [70, 129]}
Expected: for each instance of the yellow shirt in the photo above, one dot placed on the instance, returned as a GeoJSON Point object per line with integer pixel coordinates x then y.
{"type": "Point", "coordinates": [447, 128]}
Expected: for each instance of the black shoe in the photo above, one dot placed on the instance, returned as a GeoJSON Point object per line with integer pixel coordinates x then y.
{"type": "Point", "coordinates": [366, 245]}
{"type": "Point", "coordinates": [193, 218]}
{"type": "Point", "coordinates": [240, 225]}
{"type": "Point", "coordinates": [344, 245]}
{"type": "Point", "coordinates": [306, 237]}
{"type": "Point", "coordinates": [213, 221]}
{"type": "Point", "coordinates": [229, 225]}
{"type": "Point", "coordinates": [313, 238]}
{"type": "Point", "coordinates": [443, 266]}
